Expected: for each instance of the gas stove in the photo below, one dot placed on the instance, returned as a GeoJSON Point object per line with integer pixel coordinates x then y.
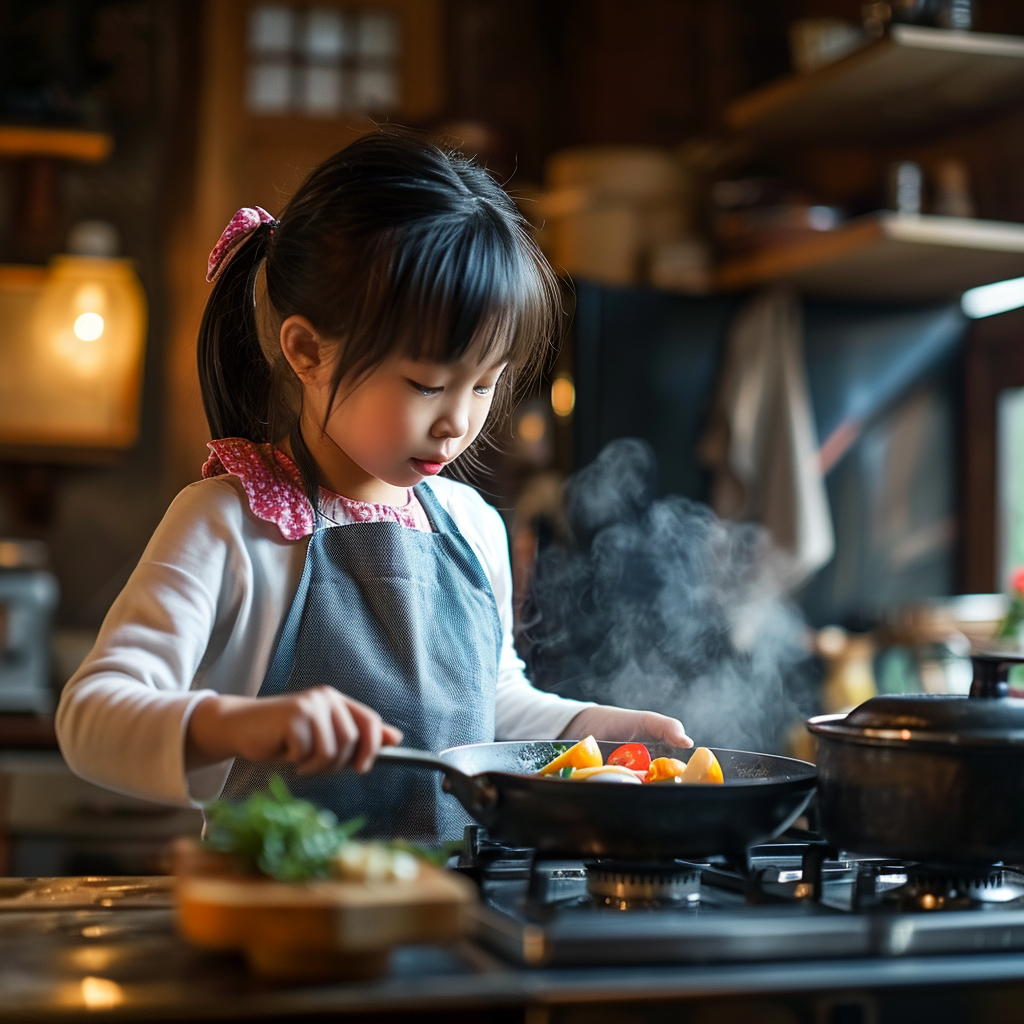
{"type": "Point", "coordinates": [789, 900]}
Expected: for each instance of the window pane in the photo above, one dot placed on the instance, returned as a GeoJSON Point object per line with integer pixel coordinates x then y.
{"type": "Point", "coordinates": [377, 34]}
{"type": "Point", "coordinates": [270, 88]}
{"type": "Point", "coordinates": [271, 29]}
{"type": "Point", "coordinates": [376, 88]}
{"type": "Point", "coordinates": [321, 91]}
{"type": "Point", "coordinates": [326, 36]}
{"type": "Point", "coordinates": [1011, 484]}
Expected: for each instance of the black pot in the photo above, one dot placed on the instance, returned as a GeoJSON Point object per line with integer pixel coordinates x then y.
{"type": "Point", "coordinates": [928, 778]}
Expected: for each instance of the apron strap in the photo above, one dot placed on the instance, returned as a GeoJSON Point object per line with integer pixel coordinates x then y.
{"type": "Point", "coordinates": [441, 521]}
{"type": "Point", "coordinates": [284, 655]}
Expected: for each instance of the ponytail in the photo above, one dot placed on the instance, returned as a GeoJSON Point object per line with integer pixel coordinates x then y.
{"type": "Point", "coordinates": [235, 377]}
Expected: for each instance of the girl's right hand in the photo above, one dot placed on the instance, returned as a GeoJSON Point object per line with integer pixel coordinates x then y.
{"type": "Point", "coordinates": [317, 730]}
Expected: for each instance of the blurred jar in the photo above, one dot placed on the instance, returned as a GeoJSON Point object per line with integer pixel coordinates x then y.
{"type": "Point", "coordinates": [849, 672]}
{"type": "Point", "coordinates": [817, 42]}
{"type": "Point", "coordinates": [952, 189]}
{"type": "Point", "coordinates": [950, 14]}
{"type": "Point", "coordinates": [906, 187]}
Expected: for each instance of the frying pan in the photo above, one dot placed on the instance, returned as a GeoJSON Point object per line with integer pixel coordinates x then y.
{"type": "Point", "coordinates": [762, 795]}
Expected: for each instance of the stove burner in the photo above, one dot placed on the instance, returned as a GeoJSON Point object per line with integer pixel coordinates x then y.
{"type": "Point", "coordinates": [794, 901]}
{"type": "Point", "coordinates": [934, 887]}
{"type": "Point", "coordinates": [629, 885]}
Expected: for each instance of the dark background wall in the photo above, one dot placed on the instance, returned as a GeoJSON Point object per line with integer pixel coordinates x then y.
{"type": "Point", "coordinates": [543, 73]}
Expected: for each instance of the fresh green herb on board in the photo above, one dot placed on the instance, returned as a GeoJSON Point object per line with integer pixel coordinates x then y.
{"type": "Point", "coordinates": [438, 856]}
{"type": "Point", "coordinates": [276, 834]}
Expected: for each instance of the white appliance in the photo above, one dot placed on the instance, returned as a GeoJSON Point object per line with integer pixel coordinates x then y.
{"type": "Point", "coordinates": [28, 597]}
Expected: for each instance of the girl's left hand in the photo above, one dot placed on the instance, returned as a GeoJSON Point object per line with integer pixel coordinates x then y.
{"type": "Point", "coordinates": [608, 723]}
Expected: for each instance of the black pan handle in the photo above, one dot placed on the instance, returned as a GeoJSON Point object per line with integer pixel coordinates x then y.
{"type": "Point", "coordinates": [477, 793]}
{"type": "Point", "coordinates": [991, 672]}
{"type": "Point", "coordinates": [419, 758]}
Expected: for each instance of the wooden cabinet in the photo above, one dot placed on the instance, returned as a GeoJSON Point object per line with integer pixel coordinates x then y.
{"type": "Point", "coordinates": [911, 85]}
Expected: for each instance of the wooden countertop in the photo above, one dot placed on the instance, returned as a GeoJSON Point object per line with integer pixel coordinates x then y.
{"type": "Point", "coordinates": [76, 949]}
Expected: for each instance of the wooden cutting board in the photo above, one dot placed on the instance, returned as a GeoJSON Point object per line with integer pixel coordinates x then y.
{"type": "Point", "coordinates": [317, 930]}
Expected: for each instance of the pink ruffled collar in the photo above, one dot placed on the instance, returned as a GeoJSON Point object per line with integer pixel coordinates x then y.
{"type": "Point", "coordinates": [278, 497]}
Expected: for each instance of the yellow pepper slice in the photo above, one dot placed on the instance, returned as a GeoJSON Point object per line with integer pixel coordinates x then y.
{"type": "Point", "coordinates": [703, 766]}
{"type": "Point", "coordinates": [585, 754]}
{"type": "Point", "coordinates": [665, 768]}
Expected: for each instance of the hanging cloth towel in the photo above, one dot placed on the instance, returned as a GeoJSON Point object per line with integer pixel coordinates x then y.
{"type": "Point", "coordinates": [761, 442]}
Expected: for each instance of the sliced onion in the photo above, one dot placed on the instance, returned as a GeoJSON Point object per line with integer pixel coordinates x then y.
{"type": "Point", "coordinates": [604, 773]}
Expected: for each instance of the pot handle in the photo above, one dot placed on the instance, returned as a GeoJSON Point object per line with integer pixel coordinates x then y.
{"type": "Point", "coordinates": [991, 672]}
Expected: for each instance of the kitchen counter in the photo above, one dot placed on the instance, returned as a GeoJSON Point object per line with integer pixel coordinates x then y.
{"type": "Point", "coordinates": [76, 948]}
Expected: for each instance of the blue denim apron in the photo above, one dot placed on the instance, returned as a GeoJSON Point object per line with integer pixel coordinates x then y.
{"type": "Point", "coordinates": [406, 622]}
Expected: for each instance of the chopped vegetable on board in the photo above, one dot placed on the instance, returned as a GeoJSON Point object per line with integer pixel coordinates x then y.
{"type": "Point", "coordinates": [375, 862]}
{"type": "Point", "coordinates": [278, 835]}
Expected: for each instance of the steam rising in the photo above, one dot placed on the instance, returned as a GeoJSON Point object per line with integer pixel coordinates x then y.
{"type": "Point", "coordinates": [657, 604]}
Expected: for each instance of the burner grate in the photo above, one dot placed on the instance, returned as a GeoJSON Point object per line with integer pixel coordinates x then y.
{"type": "Point", "coordinates": [631, 885]}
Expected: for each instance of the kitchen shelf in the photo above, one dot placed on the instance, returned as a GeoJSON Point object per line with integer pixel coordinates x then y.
{"type": "Point", "coordinates": [913, 82]}
{"type": "Point", "coordinates": [67, 144]}
{"type": "Point", "coordinates": [888, 256]}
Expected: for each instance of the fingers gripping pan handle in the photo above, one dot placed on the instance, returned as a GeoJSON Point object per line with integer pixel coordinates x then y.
{"type": "Point", "coordinates": [477, 794]}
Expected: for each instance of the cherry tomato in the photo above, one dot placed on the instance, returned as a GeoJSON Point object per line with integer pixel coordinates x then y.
{"type": "Point", "coordinates": [631, 755]}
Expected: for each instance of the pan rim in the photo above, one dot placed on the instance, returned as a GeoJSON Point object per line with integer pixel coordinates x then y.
{"type": "Point", "coordinates": [808, 775]}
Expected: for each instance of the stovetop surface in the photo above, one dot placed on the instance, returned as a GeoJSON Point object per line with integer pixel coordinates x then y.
{"type": "Point", "coordinates": [790, 900]}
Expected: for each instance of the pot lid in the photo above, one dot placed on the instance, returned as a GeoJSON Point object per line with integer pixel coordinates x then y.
{"type": "Point", "coordinates": [939, 713]}
{"type": "Point", "coordinates": [920, 718]}
{"type": "Point", "coordinates": [988, 717]}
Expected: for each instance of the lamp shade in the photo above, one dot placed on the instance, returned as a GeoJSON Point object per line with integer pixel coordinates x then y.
{"type": "Point", "coordinates": [81, 378]}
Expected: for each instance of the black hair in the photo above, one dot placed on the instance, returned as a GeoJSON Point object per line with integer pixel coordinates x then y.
{"type": "Point", "coordinates": [392, 244]}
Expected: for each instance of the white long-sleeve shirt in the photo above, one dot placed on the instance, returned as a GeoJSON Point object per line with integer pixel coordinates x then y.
{"type": "Point", "coordinates": [202, 614]}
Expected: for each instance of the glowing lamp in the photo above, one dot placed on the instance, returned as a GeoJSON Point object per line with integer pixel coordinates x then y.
{"type": "Point", "coordinates": [88, 334]}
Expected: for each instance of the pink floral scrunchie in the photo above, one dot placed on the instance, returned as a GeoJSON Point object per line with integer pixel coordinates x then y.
{"type": "Point", "coordinates": [245, 221]}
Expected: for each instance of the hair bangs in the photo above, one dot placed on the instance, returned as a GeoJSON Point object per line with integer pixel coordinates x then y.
{"type": "Point", "coordinates": [454, 287]}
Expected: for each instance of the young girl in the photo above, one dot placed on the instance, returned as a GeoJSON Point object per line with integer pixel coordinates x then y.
{"type": "Point", "coordinates": [322, 591]}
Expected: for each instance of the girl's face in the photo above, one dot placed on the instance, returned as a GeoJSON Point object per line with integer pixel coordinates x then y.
{"type": "Point", "coordinates": [409, 418]}
{"type": "Point", "coordinates": [404, 421]}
